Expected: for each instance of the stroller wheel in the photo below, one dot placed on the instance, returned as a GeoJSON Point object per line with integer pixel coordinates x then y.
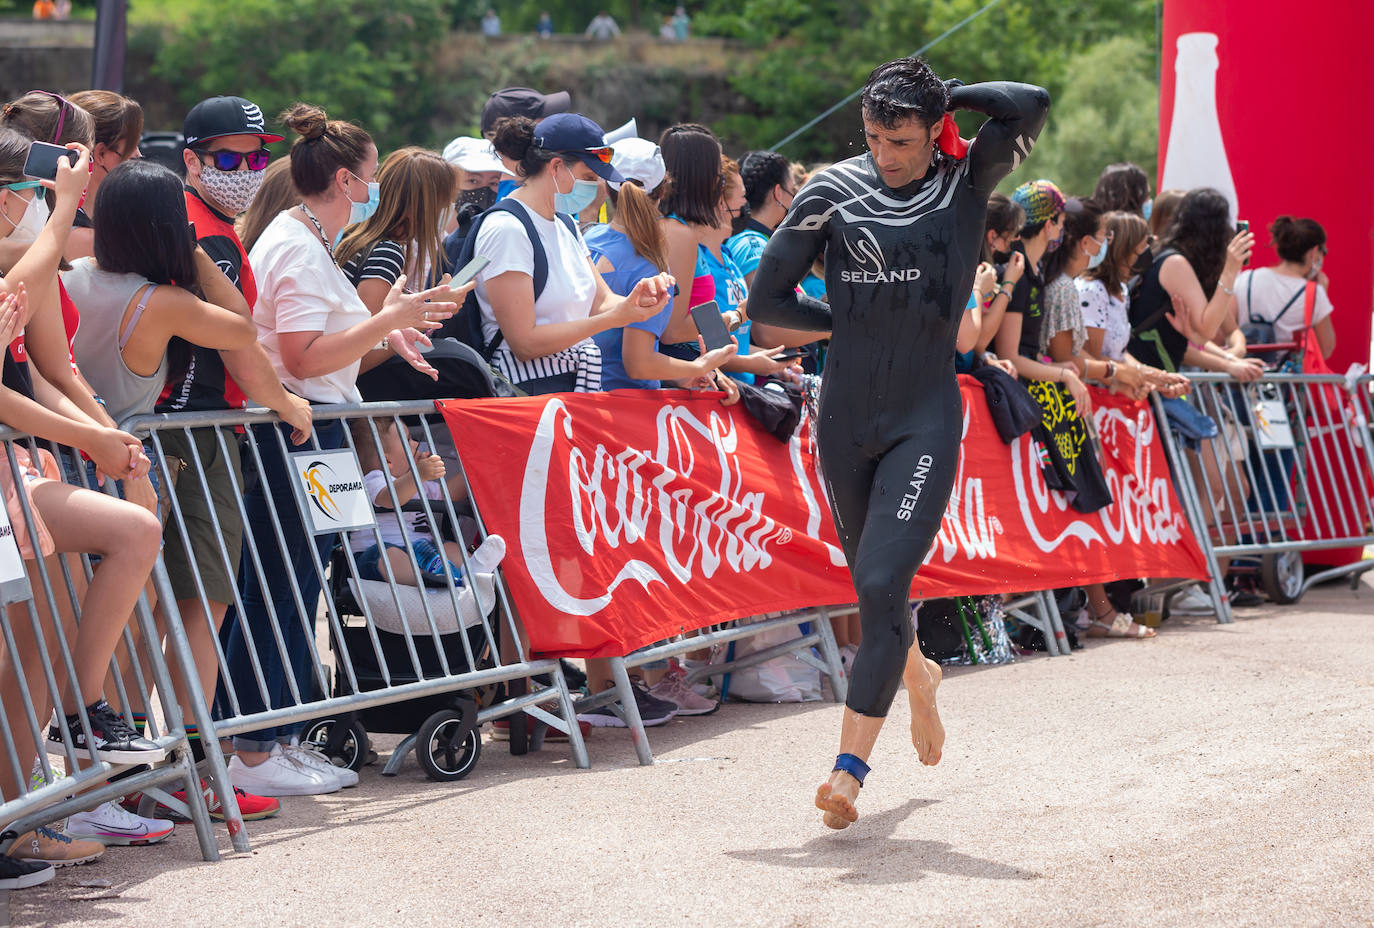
{"type": "Point", "coordinates": [1281, 575]}
{"type": "Point", "coordinates": [354, 747]}
{"type": "Point", "coordinates": [447, 749]}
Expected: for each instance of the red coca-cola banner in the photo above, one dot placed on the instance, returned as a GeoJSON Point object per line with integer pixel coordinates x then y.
{"type": "Point", "coordinates": [636, 515]}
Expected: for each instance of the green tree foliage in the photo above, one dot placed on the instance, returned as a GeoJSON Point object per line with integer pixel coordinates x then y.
{"type": "Point", "coordinates": [361, 60]}
{"type": "Point", "coordinates": [1108, 112]}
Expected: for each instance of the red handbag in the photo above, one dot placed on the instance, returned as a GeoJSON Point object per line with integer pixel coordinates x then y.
{"type": "Point", "coordinates": [1340, 484]}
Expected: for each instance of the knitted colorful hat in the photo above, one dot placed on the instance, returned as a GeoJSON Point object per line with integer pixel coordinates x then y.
{"type": "Point", "coordinates": [1041, 200]}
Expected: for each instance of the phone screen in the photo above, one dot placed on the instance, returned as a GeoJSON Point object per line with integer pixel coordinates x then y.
{"type": "Point", "coordinates": [711, 324]}
{"type": "Point", "coordinates": [469, 271]}
{"type": "Point", "coordinates": [42, 160]}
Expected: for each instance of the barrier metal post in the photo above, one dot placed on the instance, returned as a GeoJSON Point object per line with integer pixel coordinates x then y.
{"type": "Point", "coordinates": [46, 797]}
{"type": "Point", "coordinates": [390, 640]}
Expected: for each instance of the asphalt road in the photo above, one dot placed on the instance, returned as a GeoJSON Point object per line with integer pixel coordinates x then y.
{"type": "Point", "coordinates": [1219, 775]}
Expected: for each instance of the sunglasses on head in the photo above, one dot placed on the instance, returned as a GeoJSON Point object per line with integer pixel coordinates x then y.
{"type": "Point", "coordinates": [230, 160]}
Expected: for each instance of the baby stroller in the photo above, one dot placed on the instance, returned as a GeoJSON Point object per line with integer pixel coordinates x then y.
{"type": "Point", "coordinates": [444, 725]}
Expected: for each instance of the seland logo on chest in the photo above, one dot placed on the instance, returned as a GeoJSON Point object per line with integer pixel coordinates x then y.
{"type": "Point", "coordinates": [914, 487]}
{"type": "Point", "coordinates": [867, 264]}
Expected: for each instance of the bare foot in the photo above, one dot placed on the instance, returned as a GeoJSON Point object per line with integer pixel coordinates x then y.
{"type": "Point", "coordinates": [835, 798]}
{"type": "Point", "coordinates": [927, 733]}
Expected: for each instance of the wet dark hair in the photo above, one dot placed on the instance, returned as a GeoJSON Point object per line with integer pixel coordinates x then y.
{"type": "Point", "coordinates": [141, 228]}
{"type": "Point", "coordinates": [761, 172]}
{"type": "Point", "coordinates": [1122, 187]}
{"type": "Point", "coordinates": [1294, 238]}
{"type": "Point", "coordinates": [691, 153]}
{"type": "Point", "coordinates": [904, 89]}
{"type": "Point", "coordinates": [513, 138]}
{"type": "Point", "coordinates": [1005, 217]}
{"type": "Point", "coordinates": [1200, 231]}
{"type": "Point", "coordinates": [1081, 219]}
{"type": "Point", "coordinates": [324, 146]}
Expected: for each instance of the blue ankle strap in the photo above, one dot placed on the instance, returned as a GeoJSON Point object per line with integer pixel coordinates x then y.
{"type": "Point", "coordinates": [853, 766]}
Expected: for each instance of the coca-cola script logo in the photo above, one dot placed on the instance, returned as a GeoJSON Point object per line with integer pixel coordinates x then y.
{"type": "Point", "coordinates": [682, 507]}
{"type": "Point", "coordinates": [1142, 507]}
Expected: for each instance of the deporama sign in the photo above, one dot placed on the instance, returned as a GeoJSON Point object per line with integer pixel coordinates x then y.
{"type": "Point", "coordinates": [637, 515]}
{"type": "Point", "coordinates": [331, 491]}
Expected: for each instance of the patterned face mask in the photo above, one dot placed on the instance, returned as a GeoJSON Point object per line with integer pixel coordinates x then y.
{"type": "Point", "coordinates": [481, 197]}
{"type": "Point", "coordinates": [233, 190]}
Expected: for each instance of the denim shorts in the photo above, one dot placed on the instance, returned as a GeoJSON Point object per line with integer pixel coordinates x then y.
{"type": "Point", "coordinates": [369, 561]}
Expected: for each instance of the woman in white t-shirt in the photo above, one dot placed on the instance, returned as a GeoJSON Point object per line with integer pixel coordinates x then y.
{"type": "Point", "coordinates": [1277, 295]}
{"type": "Point", "coordinates": [318, 335]}
{"type": "Point", "coordinates": [544, 343]}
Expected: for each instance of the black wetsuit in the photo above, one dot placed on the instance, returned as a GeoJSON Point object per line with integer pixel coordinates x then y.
{"type": "Point", "coordinates": [899, 267]}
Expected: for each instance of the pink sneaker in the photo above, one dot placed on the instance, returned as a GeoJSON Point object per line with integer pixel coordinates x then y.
{"type": "Point", "coordinates": [674, 689]}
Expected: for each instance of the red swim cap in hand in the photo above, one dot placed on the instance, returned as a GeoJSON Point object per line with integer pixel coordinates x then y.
{"type": "Point", "coordinates": [949, 141]}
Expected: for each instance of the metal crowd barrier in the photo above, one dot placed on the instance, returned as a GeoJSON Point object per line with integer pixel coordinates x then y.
{"type": "Point", "coordinates": [428, 660]}
{"type": "Point", "coordinates": [1291, 470]}
{"type": "Point", "coordinates": [42, 599]}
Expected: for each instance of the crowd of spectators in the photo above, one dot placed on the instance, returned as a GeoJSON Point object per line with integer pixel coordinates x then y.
{"type": "Point", "coordinates": [674, 27]}
{"type": "Point", "coordinates": [290, 281]}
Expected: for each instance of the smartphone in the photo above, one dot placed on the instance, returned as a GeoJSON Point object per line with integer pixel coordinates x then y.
{"type": "Point", "coordinates": [788, 354]}
{"type": "Point", "coordinates": [1243, 225]}
{"type": "Point", "coordinates": [469, 271]}
{"type": "Point", "coordinates": [42, 160]}
{"type": "Point", "coordinates": [711, 325]}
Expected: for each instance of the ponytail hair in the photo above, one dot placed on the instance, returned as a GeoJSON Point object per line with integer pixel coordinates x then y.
{"type": "Point", "coordinates": [637, 212]}
{"type": "Point", "coordinates": [324, 146]}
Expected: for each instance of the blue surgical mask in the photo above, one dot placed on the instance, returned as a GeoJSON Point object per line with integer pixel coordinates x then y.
{"type": "Point", "coordinates": [357, 212]}
{"type": "Point", "coordinates": [1147, 209]}
{"type": "Point", "coordinates": [1098, 258]}
{"type": "Point", "coordinates": [576, 200]}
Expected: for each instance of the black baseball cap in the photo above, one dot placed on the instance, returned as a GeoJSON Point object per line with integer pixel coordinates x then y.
{"type": "Point", "coordinates": [574, 135]}
{"type": "Point", "coordinates": [219, 116]}
{"type": "Point", "coordinates": [522, 101]}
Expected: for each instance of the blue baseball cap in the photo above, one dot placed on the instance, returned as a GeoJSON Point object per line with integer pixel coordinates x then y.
{"type": "Point", "coordinates": [574, 135]}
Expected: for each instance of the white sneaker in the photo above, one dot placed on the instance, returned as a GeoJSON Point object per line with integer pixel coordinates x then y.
{"type": "Point", "coordinates": [111, 824]}
{"type": "Point", "coordinates": [316, 760]}
{"type": "Point", "coordinates": [280, 775]}
{"type": "Point", "coordinates": [1192, 601]}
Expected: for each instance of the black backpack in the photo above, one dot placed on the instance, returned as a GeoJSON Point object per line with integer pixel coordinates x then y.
{"type": "Point", "coordinates": [460, 247]}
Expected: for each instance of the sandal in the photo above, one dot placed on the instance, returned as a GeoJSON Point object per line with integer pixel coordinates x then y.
{"type": "Point", "coordinates": [1120, 628]}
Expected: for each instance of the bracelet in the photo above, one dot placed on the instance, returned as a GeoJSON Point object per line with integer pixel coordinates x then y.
{"type": "Point", "coordinates": [386, 343]}
{"type": "Point", "coordinates": [1111, 369]}
{"type": "Point", "coordinates": [1226, 290]}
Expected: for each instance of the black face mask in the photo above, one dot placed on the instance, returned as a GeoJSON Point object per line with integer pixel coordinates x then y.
{"type": "Point", "coordinates": [1001, 257]}
{"type": "Point", "coordinates": [481, 197]}
{"type": "Point", "coordinates": [1143, 261]}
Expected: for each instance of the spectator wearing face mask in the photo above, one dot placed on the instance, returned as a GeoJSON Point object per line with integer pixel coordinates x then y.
{"type": "Point", "coordinates": [1276, 295]}
{"type": "Point", "coordinates": [544, 342]}
{"type": "Point", "coordinates": [404, 236]}
{"type": "Point", "coordinates": [1124, 187]}
{"type": "Point", "coordinates": [479, 171]}
{"type": "Point", "coordinates": [118, 127]}
{"type": "Point", "coordinates": [53, 318]}
{"type": "Point", "coordinates": [626, 250]}
{"type": "Point", "coordinates": [1018, 337]}
{"type": "Point", "coordinates": [318, 334]}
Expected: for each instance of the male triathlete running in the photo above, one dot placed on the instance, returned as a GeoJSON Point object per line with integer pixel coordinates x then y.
{"type": "Point", "coordinates": [901, 227]}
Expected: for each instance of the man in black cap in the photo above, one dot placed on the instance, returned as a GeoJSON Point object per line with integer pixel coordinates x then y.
{"type": "Point", "coordinates": [225, 157]}
{"type": "Point", "coordinates": [522, 101]}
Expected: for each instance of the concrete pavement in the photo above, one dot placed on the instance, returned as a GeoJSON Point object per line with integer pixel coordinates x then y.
{"type": "Point", "coordinates": [1219, 775]}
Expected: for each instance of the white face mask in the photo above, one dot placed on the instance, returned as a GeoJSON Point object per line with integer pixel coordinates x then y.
{"type": "Point", "coordinates": [31, 223]}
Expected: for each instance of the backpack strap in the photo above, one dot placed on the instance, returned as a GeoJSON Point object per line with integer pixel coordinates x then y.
{"type": "Point", "coordinates": [1305, 288]}
{"type": "Point", "coordinates": [541, 258]}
